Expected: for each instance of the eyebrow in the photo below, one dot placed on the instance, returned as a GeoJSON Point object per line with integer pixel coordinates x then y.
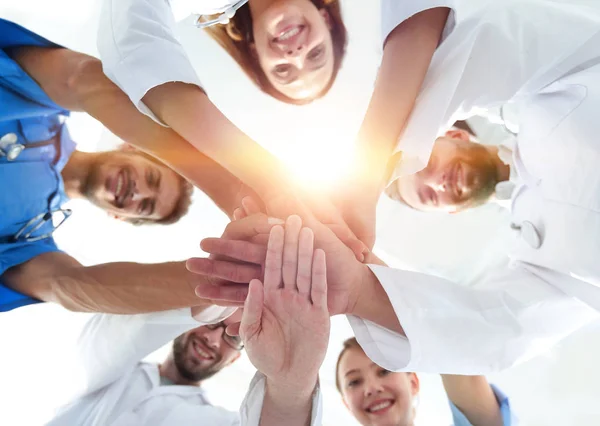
{"type": "Point", "coordinates": [355, 370]}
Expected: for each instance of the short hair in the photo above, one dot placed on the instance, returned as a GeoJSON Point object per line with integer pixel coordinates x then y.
{"type": "Point", "coordinates": [348, 344]}
{"type": "Point", "coordinates": [183, 203]}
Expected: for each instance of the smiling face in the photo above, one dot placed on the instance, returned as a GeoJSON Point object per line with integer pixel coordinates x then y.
{"type": "Point", "coordinates": [460, 174]}
{"type": "Point", "coordinates": [294, 47]}
{"type": "Point", "coordinates": [129, 185]}
{"type": "Point", "coordinates": [375, 396]}
{"type": "Point", "coordinates": [204, 351]}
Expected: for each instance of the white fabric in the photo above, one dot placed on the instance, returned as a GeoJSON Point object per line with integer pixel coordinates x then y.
{"type": "Point", "coordinates": [394, 12]}
{"type": "Point", "coordinates": [122, 391]}
{"type": "Point", "coordinates": [533, 44]}
{"type": "Point", "coordinates": [552, 288]}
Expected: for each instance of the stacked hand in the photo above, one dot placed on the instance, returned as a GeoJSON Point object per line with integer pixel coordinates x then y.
{"type": "Point", "coordinates": [285, 322]}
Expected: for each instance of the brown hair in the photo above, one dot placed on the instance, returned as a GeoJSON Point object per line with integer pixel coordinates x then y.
{"type": "Point", "coordinates": [348, 344]}
{"type": "Point", "coordinates": [236, 37]}
{"type": "Point", "coordinates": [183, 203]}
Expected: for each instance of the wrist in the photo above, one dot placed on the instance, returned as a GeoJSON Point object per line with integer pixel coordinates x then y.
{"type": "Point", "coordinates": [292, 394]}
{"type": "Point", "coordinates": [370, 292]}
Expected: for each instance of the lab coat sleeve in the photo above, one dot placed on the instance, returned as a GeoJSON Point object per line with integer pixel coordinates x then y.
{"type": "Point", "coordinates": [251, 407]}
{"type": "Point", "coordinates": [394, 12]}
{"type": "Point", "coordinates": [139, 49]}
{"type": "Point", "coordinates": [460, 330]}
{"type": "Point", "coordinates": [109, 344]}
{"type": "Point", "coordinates": [504, 52]}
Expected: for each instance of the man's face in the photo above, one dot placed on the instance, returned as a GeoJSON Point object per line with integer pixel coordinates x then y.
{"type": "Point", "coordinates": [460, 174]}
{"type": "Point", "coordinates": [203, 352]}
{"type": "Point", "coordinates": [128, 185]}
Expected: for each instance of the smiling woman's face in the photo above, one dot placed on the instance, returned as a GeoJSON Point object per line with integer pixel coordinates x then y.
{"type": "Point", "coordinates": [294, 47]}
{"type": "Point", "coordinates": [375, 396]}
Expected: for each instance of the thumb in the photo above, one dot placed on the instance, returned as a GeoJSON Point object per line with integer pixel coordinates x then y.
{"type": "Point", "coordinates": [252, 314]}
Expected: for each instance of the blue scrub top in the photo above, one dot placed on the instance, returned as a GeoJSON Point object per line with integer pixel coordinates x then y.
{"type": "Point", "coordinates": [508, 419]}
{"type": "Point", "coordinates": [31, 184]}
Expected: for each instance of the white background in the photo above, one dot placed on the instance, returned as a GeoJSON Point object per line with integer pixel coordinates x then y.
{"type": "Point", "coordinates": [37, 342]}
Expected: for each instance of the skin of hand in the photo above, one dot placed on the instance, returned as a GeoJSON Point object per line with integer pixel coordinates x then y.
{"type": "Point", "coordinates": [285, 322]}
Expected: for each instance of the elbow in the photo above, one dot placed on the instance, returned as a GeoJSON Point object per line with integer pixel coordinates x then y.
{"type": "Point", "coordinates": [85, 80]}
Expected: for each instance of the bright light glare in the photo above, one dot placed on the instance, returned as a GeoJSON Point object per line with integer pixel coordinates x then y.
{"type": "Point", "coordinates": [320, 163]}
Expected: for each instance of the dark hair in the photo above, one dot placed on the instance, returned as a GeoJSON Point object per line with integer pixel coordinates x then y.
{"type": "Point", "coordinates": [183, 203]}
{"type": "Point", "coordinates": [236, 37]}
{"type": "Point", "coordinates": [348, 344]}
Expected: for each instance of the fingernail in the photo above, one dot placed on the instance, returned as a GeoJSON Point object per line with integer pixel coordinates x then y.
{"type": "Point", "coordinates": [275, 221]}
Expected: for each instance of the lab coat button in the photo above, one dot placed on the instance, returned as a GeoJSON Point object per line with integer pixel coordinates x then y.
{"type": "Point", "coordinates": [531, 235]}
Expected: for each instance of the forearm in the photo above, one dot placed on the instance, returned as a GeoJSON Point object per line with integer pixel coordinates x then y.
{"type": "Point", "coordinates": [76, 82]}
{"type": "Point", "coordinates": [374, 304]}
{"type": "Point", "coordinates": [406, 58]}
{"type": "Point", "coordinates": [475, 398]}
{"type": "Point", "coordinates": [187, 109]}
{"type": "Point", "coordinates": [289, 405]}
{"type": "Point", "coordinates": [122, 288]}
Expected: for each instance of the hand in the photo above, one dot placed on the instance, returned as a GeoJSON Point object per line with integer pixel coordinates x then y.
{"type": "Point", "coordinates": [228, 276]}
{"type": "Point", "coordinates": [283, 205]}
{"type": "Point", "coordinates": [347, 277]}
{"type": "Point", "coordinates": [285, 323]}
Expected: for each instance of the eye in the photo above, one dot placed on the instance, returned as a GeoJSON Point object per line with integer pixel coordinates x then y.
{"type": "Point", "coordinates": [316, 53]}
{"type": "Point", "coordinates": [353, 383]}
{"type": "Point", "coordinates": [384, 372]}
{"type": "Point", "coordinates": [282, 70]}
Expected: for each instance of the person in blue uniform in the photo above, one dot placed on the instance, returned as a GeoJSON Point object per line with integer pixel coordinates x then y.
{"type": "Point", "coordinates": [40, 169]}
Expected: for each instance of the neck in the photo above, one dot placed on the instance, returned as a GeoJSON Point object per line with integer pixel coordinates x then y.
{"type": "Point", "coordinates": [169, 370]}
{"type": "Point", "coordinates": [76, 172]}
{"type": "Point", "coordinates": [502, 169]}
{"type": "Point", "coordinates": [257, 7]}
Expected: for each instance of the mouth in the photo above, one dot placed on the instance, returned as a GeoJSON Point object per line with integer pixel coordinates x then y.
{"type": "Point", "coordinates": [288, 34]}
{"type": "Point", "coordinates": [380, 406]}
{"type": "Point", "coordinates": [201, 351]}
{"type": "Point", "coordinates": [121, 187]}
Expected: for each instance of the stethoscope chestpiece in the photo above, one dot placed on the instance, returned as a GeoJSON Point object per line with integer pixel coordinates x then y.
{"type": "Point", "coordinates": [9, 147]}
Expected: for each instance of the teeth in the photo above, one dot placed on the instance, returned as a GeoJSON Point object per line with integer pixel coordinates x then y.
{"type": "Point", "coordinates": [379, 407]}
{"type": "Point", "coordinates": [289, 34]}
{"type": "Point", "coordinates": [201, 352]}
{"type": "Point", "coordinates": [119, 185]}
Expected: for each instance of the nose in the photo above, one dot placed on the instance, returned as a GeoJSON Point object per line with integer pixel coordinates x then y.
{"type": "Point", "coordinates": [372, 388]}
{"type": "Point", "coordinates": [212, 338]}
{"type": "Point", "coordinates": [294, 50]}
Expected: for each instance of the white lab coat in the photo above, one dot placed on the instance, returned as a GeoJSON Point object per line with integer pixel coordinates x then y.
{"type": "Point", "coordinates": [545, 56]}
{"type": "Point", "coordinates": [140, 49]}
{"type": "Point", "coordinates": [122, 391]}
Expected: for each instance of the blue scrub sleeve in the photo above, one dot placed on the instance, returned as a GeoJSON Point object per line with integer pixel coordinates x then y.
{"type": "Point", "coordinates": [21, 253]}
{"type": "Point", "coordinates": [459, 418]}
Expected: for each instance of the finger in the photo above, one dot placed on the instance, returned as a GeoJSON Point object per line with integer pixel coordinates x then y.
{"type": "Point", "coordinates": [249, 227]}
{"type": "Point", "coordinates": [252, 310]}
{"type": "Point", "coordinates": [305, 260]}
{"type": "Point", "coordinates": [235, 249]}
{"type": "Point", "coordinates": [225, 295]}
{"type": "Point", "coordinates": [238, 214]}
{"type": "Point", "coordinates": [319, 280]}
{"type": "Point", "coordinates": [233, 329]}
{"type": "Point", "coordinates": [289, 272]}
{"type": "Point", "coordinates": [250, 206]}
{"type": "Point", "coordinates": [274, 259]}
{"type": "Point", "coordinates": [225, 270]}
{"type": "Point", "coordinates": [343, 232]}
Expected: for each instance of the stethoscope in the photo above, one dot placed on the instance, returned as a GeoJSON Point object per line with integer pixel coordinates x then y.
{"type": "Point", "coordinates": [11, 148]}
{"type": "Point", "coordinates": [225, 14]}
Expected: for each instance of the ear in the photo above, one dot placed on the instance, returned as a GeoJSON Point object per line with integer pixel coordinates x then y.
{"type": "Point", "coordinates": [415, 385]}
{"type": "Point", "coordinates": [458, 134]}
{"type": "Point", "coordinates": [126, 147]}
{"type": "Point", "coordinates": [327, 17]}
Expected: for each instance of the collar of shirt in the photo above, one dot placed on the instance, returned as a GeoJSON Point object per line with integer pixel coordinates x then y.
{"type": "Point", "coordinates": [505, 189]}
